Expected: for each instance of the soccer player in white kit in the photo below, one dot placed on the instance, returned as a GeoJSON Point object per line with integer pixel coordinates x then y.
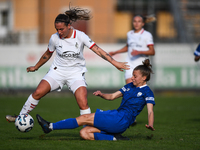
{"type": "Point", "coordinates": [68, 67]}
{"type": "Point", "coordinates": [139, 45]}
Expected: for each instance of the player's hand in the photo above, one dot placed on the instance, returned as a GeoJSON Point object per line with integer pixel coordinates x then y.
{"type": "Point", "coordinates": [121, 66]}
{"type": "Point", "coordinates": [31, 69]}
{"type": "Point", "coordinates": [135, 52]}
{"type": "Point", "coordinates": [111, 53]}
{"type": "Point", "coordinates": [149, 127]}
{"type": "Point", "coordinates": [196, 58]}
{"type": "Point", "coordinates": [97, 93]}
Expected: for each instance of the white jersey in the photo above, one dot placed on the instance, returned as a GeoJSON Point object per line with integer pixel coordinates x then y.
{"type": "Point", "coordinates": [140, 42]}
{"type": "Point", "coordinates": [69, 51]}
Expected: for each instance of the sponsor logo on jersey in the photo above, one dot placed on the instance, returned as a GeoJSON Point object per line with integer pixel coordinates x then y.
{"type": "Point", "coordinates": [69, 55]}
{"type": "Point", "coordinates": [137, 45]}
{"type": "Point", "coordinates": [124, 89]}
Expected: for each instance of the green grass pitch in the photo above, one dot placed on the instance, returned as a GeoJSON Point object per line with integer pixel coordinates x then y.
{"type": "Point", "coordinates": [177, 124]}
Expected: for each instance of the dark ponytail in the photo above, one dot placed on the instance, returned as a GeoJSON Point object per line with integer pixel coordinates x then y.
{"type": "Point", "coordinates": [78, 14]}
{"type": "Point", "coordinates": [145, 69]}
{"type": "Point", "coordinates": [73, 14]}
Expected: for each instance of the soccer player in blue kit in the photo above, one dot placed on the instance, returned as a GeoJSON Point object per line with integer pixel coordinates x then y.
{"type": "Point", "coordinates": [197, 53]}
{"type": "Point", "coordinates": [110, 124]}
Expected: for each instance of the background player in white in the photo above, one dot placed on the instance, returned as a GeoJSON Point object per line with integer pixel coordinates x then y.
{"type": "Point", "coordinates": [68, 67]}
{"type": "Point", "coordinates": [139, 45]}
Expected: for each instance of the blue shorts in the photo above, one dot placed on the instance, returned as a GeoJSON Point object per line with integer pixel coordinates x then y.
{"type": "Point", "coordinates": [110, 121]}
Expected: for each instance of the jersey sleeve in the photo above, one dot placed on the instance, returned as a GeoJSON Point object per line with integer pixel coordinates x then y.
{"type": "Point", "coordinates": [149, 97]}
{"type": "Point", "coordinates": [122, 90]}
{"type": "Point", "coordinates": [125, 88]}
{"type": "Point", "coordinates": [197, 51]}
{"type": "Point", "coordinates": [51, 45]}
{"type": "Point", "coordinates": [128, 37]}
{"type": "Point", "coordinates": [87, 41]}
{"type": "Point", "coordinates": [150, 39]}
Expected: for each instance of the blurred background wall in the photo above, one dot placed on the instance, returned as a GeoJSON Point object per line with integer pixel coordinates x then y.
{"type": "Point", "coordinates": [26, 27]}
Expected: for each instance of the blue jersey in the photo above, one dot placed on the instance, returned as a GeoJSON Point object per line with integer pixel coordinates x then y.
{"type": "Point", "coordinates": [134, 100]}
{"type": "Point", "coordinates": [197, 51]}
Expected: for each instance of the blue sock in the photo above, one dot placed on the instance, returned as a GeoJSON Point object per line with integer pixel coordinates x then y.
{"type": "Point", "coordinates": [70, 123]}
{"type": "Point", "coordinates": [101, 136]}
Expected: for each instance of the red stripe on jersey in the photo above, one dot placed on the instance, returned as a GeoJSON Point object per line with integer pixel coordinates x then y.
{"type": "Point", "coordinates": [142, 31]}
{"type": "Point", "coordinates": [74, 33]}
{"type": "Point", "coordinates": [92, 45]}
{"type": "Point", "coordinates": [50, 51]}
{"type": "Point", "coordinates": [150, 45]}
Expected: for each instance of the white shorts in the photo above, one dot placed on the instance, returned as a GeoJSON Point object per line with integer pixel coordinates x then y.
{"type": "Point", "coordinates": [129, 73]}
{"type": "Point", "coordinates": [58, 80]}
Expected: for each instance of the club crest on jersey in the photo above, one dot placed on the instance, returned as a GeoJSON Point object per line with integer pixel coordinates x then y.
{"type": "Point", "coordinates": [139, 94]}
{"type": "Point", "coordinates": [76, 45]}
{"type": "Point", "coordinates": [69, 55]}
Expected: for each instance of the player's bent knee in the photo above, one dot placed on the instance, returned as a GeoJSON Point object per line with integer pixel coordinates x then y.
{"type": "Point", "coordinates": [86, 134]}
{"type": "Point", "coordinates": [83, 134]}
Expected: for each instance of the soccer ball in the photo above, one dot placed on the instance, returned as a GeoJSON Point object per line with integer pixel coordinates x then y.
{"type": "Point", "coordinates": [24, 123]}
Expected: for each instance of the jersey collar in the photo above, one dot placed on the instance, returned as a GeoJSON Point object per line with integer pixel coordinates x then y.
{"type": "Point", "coordinates": [141, 31]}
{"type": "Point", "coordinates": [143, 86]}
{"type": "Point", "coordinates": [72, 36]}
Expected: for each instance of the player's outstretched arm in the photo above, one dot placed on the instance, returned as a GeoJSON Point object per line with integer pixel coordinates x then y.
{"type": "Point", "coordinates": [107, 96]}
{"type": "Point", "coordinates": [119, 65]}
{"type": "Point", "coordinates": [150, 117]}
{"type": "Point", "coordinates": [45, 57]}
{"type": "Point", "coordinates": [122, 50]}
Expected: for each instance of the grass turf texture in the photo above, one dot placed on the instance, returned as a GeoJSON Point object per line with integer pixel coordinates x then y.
{"type": "Point", "coordinates": [177, 124]}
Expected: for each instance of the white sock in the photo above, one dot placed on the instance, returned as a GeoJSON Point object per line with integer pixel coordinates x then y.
{"type": "Point", "coordinates": [85, 111]}
{"type": "Point", "coordinates": [30, 104]}
{"type": "Point", "coordinates": [51, 126]}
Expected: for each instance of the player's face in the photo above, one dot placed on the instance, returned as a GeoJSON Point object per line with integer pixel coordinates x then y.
{"type": "Point", "coordinates": [138, 23]}
{"type": "Point", "coordinates": [62, 29]}
{"type": "Point", "coordinates": [137, 78]}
